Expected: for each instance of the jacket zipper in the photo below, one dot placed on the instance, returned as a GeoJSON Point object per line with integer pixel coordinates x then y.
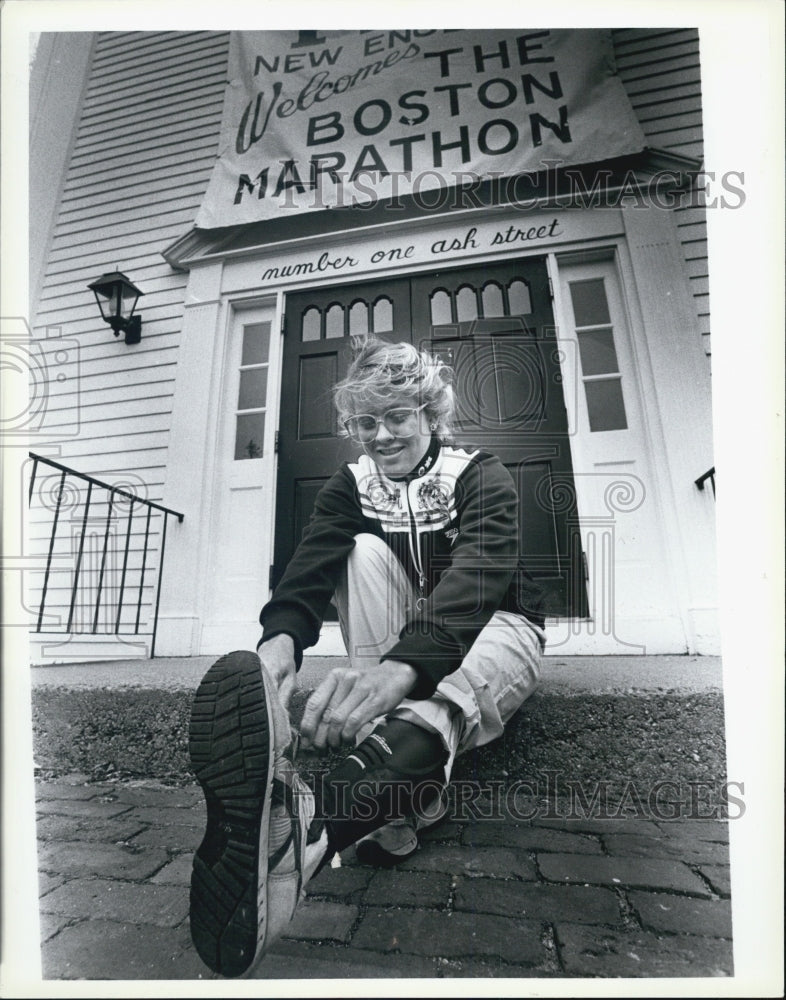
{"type": "Point", "coordinates": [414, 551]}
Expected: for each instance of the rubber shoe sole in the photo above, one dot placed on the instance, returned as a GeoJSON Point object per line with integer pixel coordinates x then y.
{"type": "Point", "coordinates": [230, 745]}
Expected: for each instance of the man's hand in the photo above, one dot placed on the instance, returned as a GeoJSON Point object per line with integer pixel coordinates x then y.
{"type": "Point", "coordinates": [278, 656]}
{"type": "Point", "coordinates": [347, 699]}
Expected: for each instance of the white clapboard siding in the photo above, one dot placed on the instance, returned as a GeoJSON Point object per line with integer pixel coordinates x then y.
{"type": "Point", "coordinates": [146, 276]}
{"type": "Point", "coordinates": [191, 116]}
{"type": "Point", "coordinates": [661, 72]}
{"type": "Point", "coordinates": [169, 146]}
{"type": "Point", "coordinates": [168, 191]}
{"type": "Point", "coordinates": [189, 169]}
{"type": "Point", "coordinates": [144, 147]}
{"type": "Point", "coordinates": [158, 319]}
{"type": "Point", "coordinates": [81, 241]}
{"type": "Point", "coordinates": [93, 391]}
{"type": "Point", "coordinates": [160, 314]}
{"type": "Point", "coordinates": [77, 230]}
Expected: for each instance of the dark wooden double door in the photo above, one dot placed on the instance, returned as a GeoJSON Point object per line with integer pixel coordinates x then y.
{"type": "Point", "coordinates": [495, 325]}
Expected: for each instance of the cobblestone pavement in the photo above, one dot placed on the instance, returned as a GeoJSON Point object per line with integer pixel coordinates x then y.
{"type": "Point", "coordinates": [545, 897]}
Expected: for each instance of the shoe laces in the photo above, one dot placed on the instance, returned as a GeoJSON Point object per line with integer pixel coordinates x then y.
{"type": "Point", "coordinates": [291, 751]}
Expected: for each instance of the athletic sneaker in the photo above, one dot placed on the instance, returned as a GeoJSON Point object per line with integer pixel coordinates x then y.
{"type": "Point", "coordinates": [398, 840]}
{"type": "Point", "coordinates": [251, 867]}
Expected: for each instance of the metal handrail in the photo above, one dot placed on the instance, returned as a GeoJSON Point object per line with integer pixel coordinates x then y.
{"type": "Point", "coordinates": [113, 491]}
{"type": "Point", "coordinates": [96, 482]}
{"type": "Point", "coordinates": [709, 474]}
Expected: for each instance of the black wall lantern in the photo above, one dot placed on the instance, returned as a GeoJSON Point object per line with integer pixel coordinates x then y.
{"type": "Point", "coordinates": [116, 297]}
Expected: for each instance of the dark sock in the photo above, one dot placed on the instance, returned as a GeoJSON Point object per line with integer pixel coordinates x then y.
{"type": "Point", "coordinates": [398, 770]}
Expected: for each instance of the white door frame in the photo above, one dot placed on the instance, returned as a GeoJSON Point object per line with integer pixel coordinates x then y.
{"type": "Point", "coordinates": [228, 620]}
{"type": "Point", "coordinates": [620, 505]}
{"type": "Point", "coordinates": [661, 321]}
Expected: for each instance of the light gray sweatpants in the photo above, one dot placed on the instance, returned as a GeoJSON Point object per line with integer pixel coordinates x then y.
{"type": "Point", "coordinates": [470, 706]}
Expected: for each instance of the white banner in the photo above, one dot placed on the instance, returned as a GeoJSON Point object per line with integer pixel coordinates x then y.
{"type": "Point", "coordinates": [316, 120]}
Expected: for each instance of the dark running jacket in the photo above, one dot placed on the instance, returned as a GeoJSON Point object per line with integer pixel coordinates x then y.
{"type": "Point", "coordinates": [453, 525]}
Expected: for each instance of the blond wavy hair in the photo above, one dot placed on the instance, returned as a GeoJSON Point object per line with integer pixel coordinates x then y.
{"type": "Point", "coordinates": [383, 373]}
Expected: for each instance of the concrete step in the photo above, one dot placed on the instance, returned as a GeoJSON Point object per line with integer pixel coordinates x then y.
{"type": "Point", "coordinates": [563, 674]}
{"type": "Point", "coordinates": [633, 726]}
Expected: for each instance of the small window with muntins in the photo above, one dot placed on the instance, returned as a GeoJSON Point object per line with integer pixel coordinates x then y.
{"type": "Point", "coordinates": [252, 392]}
{"type": "Point", "coordinates": [599, 365]}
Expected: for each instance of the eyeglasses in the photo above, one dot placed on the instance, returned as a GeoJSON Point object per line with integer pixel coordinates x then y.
{"type": "Point", "coordinates": [400, 422]}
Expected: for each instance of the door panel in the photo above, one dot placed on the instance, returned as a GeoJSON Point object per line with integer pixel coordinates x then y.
{"type": "Point", "coordinates": [240, 552]}
{"type": "Point", "coordinates": [317, 350]}
{"type": "Point", "coordinates": [494, 325]}
{"type": "Point", "coordinates": [316, 413]}
{"type": "Point", "coordinates": [540, 528]}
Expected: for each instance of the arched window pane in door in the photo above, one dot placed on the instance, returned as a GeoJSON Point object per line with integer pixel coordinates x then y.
{"type": "Point", "coordinates": [358, 319]}
{"type": "Point", "coordinates": [466, 304]}
{"type": "Point", "coordinates": [334, 322]}
{"type": "Point", "coordinates": [311, 324]}
{"type": "Point", "coordinates": [441, 313]}
{"type": "Point", "coordinates": [518, 298]}
{"type": "Point", "coordinates": [383, 315]}
{"type": "Point", "coordinates": [493, 304]}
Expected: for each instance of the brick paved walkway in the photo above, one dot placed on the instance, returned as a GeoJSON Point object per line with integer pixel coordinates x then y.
{"type": "Point", "coordinates": [548, 897]}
